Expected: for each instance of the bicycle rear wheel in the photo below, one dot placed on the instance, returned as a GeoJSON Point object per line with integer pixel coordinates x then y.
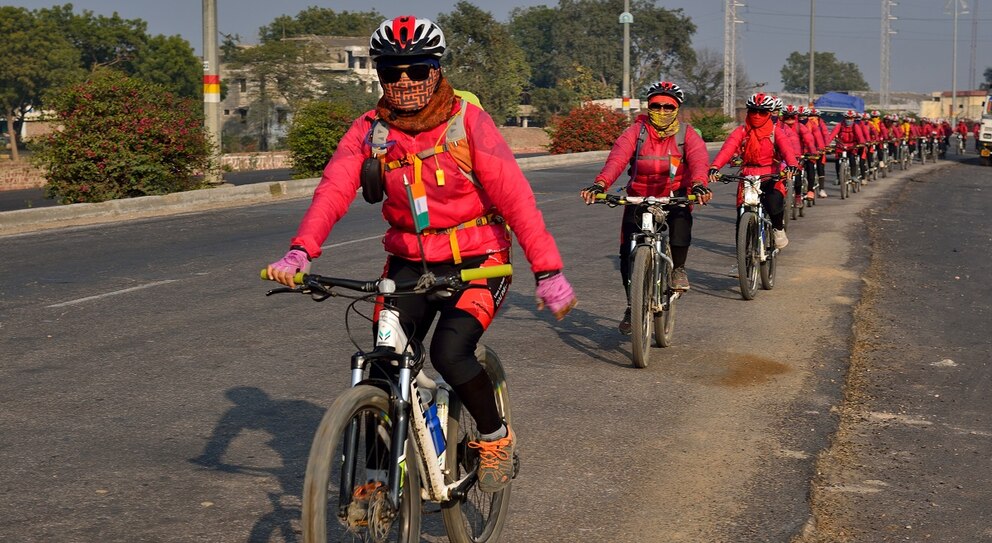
{"type": "Point", "coordinates": [641, 295]}
{"type": "Point", "coordinates": [747, 255]}
{"type": "Point", "coordinates": [480, 516]}
{"type": "Point", "coordinates": [350, 450]}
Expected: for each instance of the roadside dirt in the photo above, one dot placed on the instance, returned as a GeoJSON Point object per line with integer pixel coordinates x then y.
{"type": "Point", "coordinates": [525, 140]}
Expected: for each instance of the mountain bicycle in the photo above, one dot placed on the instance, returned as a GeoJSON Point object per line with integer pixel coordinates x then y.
{"type": "Point", "coordinates": [844, 177]}
{"type": "Point", "coordinates": [883, 159]}
{"type": "Point", "coordinates": [652, 298]}
{"type": "Point", "coordinates": [807, 170]}
{"type": "Point", "coordinates": [960, 144]}
{"type": "Point", "coordinates": [388, 444]}
{"type": "Point", "coordinates": [756, 249]}
{"type": "Point", "coordinates": [904, 157]}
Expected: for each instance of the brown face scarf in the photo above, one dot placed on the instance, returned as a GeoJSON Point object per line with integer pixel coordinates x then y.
{"type": "Point", "coordinates": [416, 106]}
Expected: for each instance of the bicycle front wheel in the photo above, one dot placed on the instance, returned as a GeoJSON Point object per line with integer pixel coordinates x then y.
{"type": "Point", "coordinates": [641, 296]}
{"type": "Point", "coordinates": [344, 496]}
{"type": "Point", "coordinates": [480, 516]}
{"type": "Point", "coordinates": [747, 255]}
{"type": "Point", "coordinates": [664, 320]}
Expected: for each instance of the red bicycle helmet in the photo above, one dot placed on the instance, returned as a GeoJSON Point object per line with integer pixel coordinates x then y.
{"type": "Point", "coordinates": [791, 110]}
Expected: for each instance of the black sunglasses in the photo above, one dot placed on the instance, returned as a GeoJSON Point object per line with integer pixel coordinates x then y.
{"type": "Point", "coordinates": [416, 72]}
{"type": "Point", "coordinates": [666, 107]}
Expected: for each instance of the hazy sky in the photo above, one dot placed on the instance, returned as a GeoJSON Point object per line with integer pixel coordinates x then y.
{"type": "Point", "coordinates": [920, 58]}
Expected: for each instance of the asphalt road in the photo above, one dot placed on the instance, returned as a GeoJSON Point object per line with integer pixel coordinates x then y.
{"type": "Point", "coordinates": [151, 392]}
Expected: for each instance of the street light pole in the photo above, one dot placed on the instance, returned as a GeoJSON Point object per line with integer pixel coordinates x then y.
{"type": "Point", "coordinates": [211, 87]}
{"type": "Point", "coordinates": [626, 19]}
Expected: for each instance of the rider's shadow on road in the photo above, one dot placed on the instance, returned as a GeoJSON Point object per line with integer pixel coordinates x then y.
{"type": "Point", "coordinates": [291, 425]}
{"type": "Point", "coordinates": [588, 333]}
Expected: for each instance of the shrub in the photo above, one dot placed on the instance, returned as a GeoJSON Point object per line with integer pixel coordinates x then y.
{"type": "Point", "coordinates": [711, 126]}
{"type": "Point", "coordinates": [314, 135]}
{"type": "Point", "coordinates": [121, 137]}
{"type": "Point", "coordinates": [589, 127]}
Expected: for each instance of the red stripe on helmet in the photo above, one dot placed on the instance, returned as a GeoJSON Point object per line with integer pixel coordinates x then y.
{"type": "Point", "coordinates": [403, 30]}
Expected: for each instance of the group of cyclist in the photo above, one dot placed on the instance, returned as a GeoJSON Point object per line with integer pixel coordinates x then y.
{"type": "Point", "coordinates": [452, 190]}
{"type": "Point", "coordinates": [782, 142]}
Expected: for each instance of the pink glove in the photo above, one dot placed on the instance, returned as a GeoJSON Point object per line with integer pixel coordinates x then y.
{"type": "Point", "coordinates": [555, 293]}
{"type": "Point", "coordinates": [285, 268]}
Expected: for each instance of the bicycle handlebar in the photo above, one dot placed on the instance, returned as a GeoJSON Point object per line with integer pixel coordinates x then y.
{"type": "Point", "coordinates": [727, 178]}
{"type": "Point", "coordinates": [615, 199]}
{"type": "Point", "coordinates": [421, 284]}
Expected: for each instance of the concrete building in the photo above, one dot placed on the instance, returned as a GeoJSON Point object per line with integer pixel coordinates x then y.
{"type": "Point", "coordinates": [969, 103]}
{"type": "Point", "coordinates": [246, 116]}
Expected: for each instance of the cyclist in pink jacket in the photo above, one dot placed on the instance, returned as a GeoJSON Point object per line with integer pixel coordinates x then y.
{"type": "Point", "coordinates": [451, 183]}
{"type": "Point", "coordinates": [658, 165]}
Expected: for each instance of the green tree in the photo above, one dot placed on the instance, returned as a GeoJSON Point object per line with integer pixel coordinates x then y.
{"type": "Point", "coordinates": [531, 29]}
{"type": "Point", "coordinates": [484, 59]}
{"type": "Point", "coordinates": [122, 137]}
{"type": "Point", "coordinates": [126, 45]}
{"type": "Point", "coordinates": [321, 22]}
{"type": "Point", "coordinates": [317, 128]}
{"type": "Point", "coordinates": [585, 85]}
{"type": "Point", "coordinates": [549, 103]}
{"type": "Point", "coordinates": [33, 58]}
{"type": "Point", "coordinates": [830, 74]}
{"type": "Point", "coordinates": [170, 61]}
{"type": "Point", "coordinates": [587, 33]}
{"type": "Point", "coordinates": [702, 79]}
{"type": "Point", "coordinates": [101, 40]}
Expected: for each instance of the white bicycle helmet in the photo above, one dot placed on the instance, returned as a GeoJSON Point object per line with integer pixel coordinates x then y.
{"type": "Point", "coordinates": [761, 102]}
{"type": "Point", "coordinates": [407, 36]}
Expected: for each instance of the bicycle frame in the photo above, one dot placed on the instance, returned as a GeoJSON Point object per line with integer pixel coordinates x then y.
{"type": "Point", "coordinates": [656, 238]}
{"type": "Point", "coordinates": [751, 187]}
{"type": "Point", "coordinates": [390, 340]}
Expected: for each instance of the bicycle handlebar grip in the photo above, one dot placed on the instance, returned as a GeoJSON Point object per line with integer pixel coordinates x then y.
{"type": "Point", "coordinates": [298, 278]}
{"type": "Point", "coordinates": [503, 270]}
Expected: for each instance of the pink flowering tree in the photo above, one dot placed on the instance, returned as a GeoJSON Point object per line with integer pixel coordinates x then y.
{"type": "Point", "coordinates": [119, 137]}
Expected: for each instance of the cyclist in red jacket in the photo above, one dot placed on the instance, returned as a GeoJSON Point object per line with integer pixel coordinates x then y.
{"type": "Point", "coordinates": [466, 191]}
{"type": "Point", "coordinates": [803, 142]}
{"type": "Point", "coordinates": [649, 151]}
{"type": "Point", "coordinates": [764, 146]}
{"type": "Point", "coordinates": [847, 137]}
{"type": "Point", "coordinates": [821, 165]}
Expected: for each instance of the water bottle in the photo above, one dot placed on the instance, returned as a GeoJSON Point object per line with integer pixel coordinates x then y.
{"type": "Point", "coordinates": [433, 424]}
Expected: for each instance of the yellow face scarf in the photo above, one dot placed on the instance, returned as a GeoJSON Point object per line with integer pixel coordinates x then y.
{"type": "Point", "coordinates": [665, 122]}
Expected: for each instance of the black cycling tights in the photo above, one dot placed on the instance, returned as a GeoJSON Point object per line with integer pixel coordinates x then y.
{"type": "Point", "coordinates": [456, 335]}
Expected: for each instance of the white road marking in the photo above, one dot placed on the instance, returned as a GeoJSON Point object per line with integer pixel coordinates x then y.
{"type": "Point", "coordinates": [114, 293]}
{"type": "Point", "coordinates": [350, 242]}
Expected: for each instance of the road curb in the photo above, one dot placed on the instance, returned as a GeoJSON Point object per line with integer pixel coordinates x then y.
{"type": "Point", "coordinates": [45, 218]}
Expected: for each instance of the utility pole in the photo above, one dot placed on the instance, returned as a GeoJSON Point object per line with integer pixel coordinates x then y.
{"type": "Point", "coordinates": [730, 23]}
{"type": "Point", "coordinates": [973, 66]}
{"type": "Point", "coordinates": [626, 19]}
{"type": "Point", "coordinates": [886, 66]}
{"type": "Point", "coordinates": [959, 6]}
{"type": "Point", "coordinates": [812, 50]}
{"type": "Point", "coordinates": [211, 87]}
